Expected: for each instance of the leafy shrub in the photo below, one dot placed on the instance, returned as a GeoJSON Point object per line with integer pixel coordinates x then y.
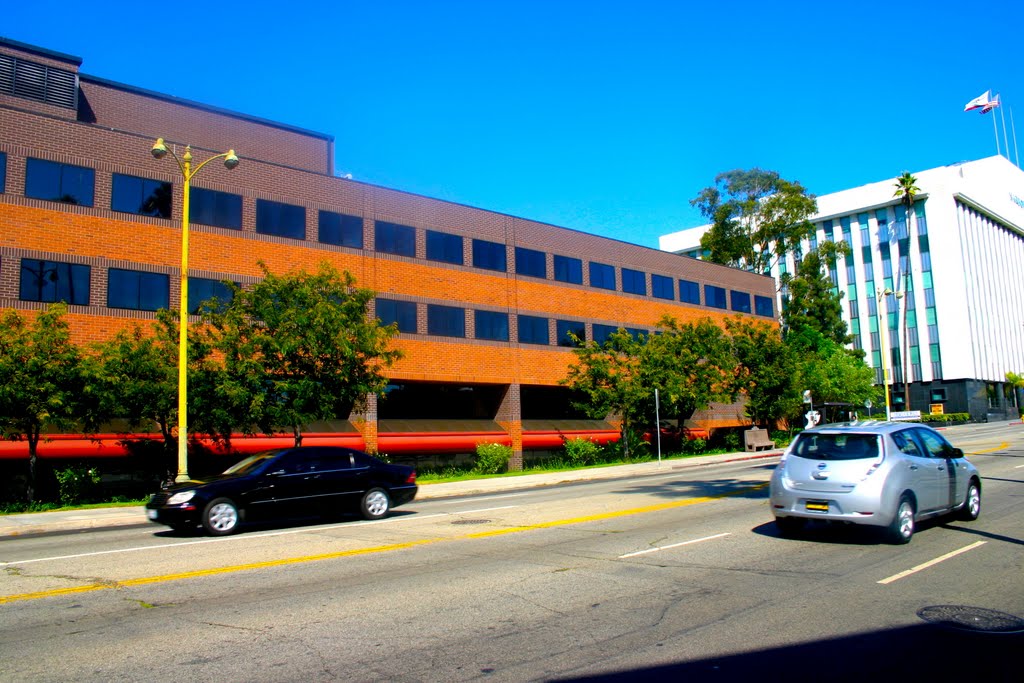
{"type": "Point", "coordinates": [697, 445]}
{"type": "Point", "coordinates": [637, 447]}
{"type": "Point", "coordinates": [492, 458]}
{"type": "Point", "coordinates": [731, 441]}
{"type": "Point", "coordinates": [77, 484]}
{"type": "Point", "coordinates": [946, 417]}
{"type": "Point", "coordinates": [580, 452]}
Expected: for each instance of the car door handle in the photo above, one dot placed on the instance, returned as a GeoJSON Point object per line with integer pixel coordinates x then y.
{"type": "Point", "coordinates": [913, 467]}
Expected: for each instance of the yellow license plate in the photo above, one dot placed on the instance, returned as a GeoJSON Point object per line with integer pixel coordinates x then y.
{"type": "Point", "coordinates": [817, 505]}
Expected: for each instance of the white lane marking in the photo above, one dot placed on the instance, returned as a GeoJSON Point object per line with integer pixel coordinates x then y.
{"type": "Point", "coordinates": [674, 545]}
{"type": "Point", "coordinates": [442, 501]}
{"type": "Point", "coordinates": [229, 539]}
{"type": "Point", "coordinates": [930, 563]}
{"type": "Point", "coordinates": [1018, 467]}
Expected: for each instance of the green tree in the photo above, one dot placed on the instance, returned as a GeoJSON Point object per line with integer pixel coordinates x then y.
{"type": "Point", "coordinates": [766, 371]}
{"type": "Point", "coordinates": [611, 378]}
{"type": "Point", "coordinates": [833, 375]}
{"type": "Point", "coordinates": [810, 299]}
{"type": "Point", "coordinates": [906, 191]}
{"type": "Point", "coordinates": [1017, 382]}
{"type": "Point", "coordinates": [41, 379]}
{"type": "Point", "coordinates": [756, 217]}
{"type": "Point", "coordinates": [299, 348]}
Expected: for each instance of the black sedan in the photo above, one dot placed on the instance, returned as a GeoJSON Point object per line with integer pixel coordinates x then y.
{"type": "Point", "coordinates": [282, 484]}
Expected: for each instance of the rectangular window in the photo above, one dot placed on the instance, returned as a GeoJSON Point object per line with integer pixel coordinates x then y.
{"type": "Point", "coordinates": [491, 325]}
{"type": "Point", "coordinates": [400, 313]}
{"type": "Point", "coordinates": [137, 290]}
{"type": "Point", "coordinates": [59, 182]}
{"type": "Point", "coordinates": [489, 255]}
{"type": "Point", "coordinates": [662, 287]}
{"type": "Point", "coordinates": [689, 292]}
{"type": "Point", "coordinates": [278, 218]}
{"type": "Point", "coordinates": [202, 290]}
{"type": "Point", "coordinates": [392, 238]}
{"type": "Point", "coordinates": [531, 262]}
{"type": "Point", "coordinates": [714, 296]}
{"type": "Point", "coordinates": [3, 172]}
{"type": "Point", "coordinates": [602, 275]}
{"type": "Point", "coordinates": [51, 281]}
{"type": "Point", "coordinates": [340, 229]}
{"type": "Point", "coordinates": [446, 321]}
{"type": "Point", "coordinates": [444, 247]}
{"type": "Point", "coordinates": [568, 269]}
{"type": "Point", "coordinates": [764, 305]}
{"type": "Point", "coordinates": [740, 301]}
{"type": "Point", "coordinates": [565, 328]}
{"type": "Point", "coordinates": [938, 395]}
{"type": "Point", "coordinates": [212, 207]}
{"type": "Point", "coordinates": [844, 222]}
{"type": "Point", "coordinates": [634, 282]}
{"type": "Point", "coordinates": [129, 194]}
{"type": "Point", "coordinates": [533, 330]}
{"type": "Point", "coordinates": [602, 332]}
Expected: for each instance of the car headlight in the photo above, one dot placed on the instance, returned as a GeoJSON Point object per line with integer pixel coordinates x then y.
{"type": "Point", "coordinates": [181, 497]}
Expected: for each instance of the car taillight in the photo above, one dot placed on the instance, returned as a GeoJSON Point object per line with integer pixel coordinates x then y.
{"type": "Point", "coordinates": [411, 479]}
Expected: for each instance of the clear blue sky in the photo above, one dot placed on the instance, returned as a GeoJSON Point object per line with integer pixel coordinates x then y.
{"type": "Point", "coordinates": [607, 117]}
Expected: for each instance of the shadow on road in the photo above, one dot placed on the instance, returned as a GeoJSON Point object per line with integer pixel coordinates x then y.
{"type": "Point", "coordinates": [913, 653]}
{"type": "Point", "coordinates": [733, 488]}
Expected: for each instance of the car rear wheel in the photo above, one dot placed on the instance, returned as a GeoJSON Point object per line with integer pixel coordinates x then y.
{"type": "Point", "coordinates": [375, 504]}
{"type": "Point", "coordinates": [220, 517]}
{"type": "Point", "coordinates": [789, 526]}
{"type": "Point", "coordinates": [902, 528]}
{"type": "Point", "coordinates": [972, 503]}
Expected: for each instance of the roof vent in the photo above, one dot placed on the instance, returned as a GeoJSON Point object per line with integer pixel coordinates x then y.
{"type": "Point", "coordinates": [38, 82]}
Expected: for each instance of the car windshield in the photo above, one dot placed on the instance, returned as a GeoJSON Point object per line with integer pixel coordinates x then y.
{"type": "Point", "coordinates": [251, 463]}
{"type": "Point", "coordinates": [835, 446]}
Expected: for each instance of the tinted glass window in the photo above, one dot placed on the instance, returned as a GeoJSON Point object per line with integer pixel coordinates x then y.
{"type": "Point", "coordinates": [446, 321]}
{"type": "Point", "coordinates": [59, 182]}
{"type": "Point", "coordinates": [137, 290]}
{"type": "Point", "coordinates": [54, 281]}
{"type": "Point", "coordinates": [740, 301]}
{"type": "Point", "coordinates": [531, 262]}
{"type": "Point", "coordinates": [634, 282]}
{"type": "Point", "coordinates": [212, 207]}
{"type": "Point", "coordinates": [489, 255]}
{"type": "Point", "coordinates": [714, 296]}
{"type": "Point", "coordinates": [533, 330]}
{"type": "Point", "coordinates": [568, 269]}
{"type": "Point", "coordinates": [906, 444]}
{"type": "Point", "coordinates": [401, 313]}
{"type": "Point", "coordinates": [202, 290]}
{"type": "Point", "coordinates": [491, 325]}
{"type": "Point", "coordinates": [934, 444]}
{"type": "Point", "coordinates": [602, 275]}
{"type": "Point", "coordinates": [689, 292]}
{"type": "Point", "coordinates": [129, 194]}
{"type": "Point", "coordinates": [564, 327]}
{"type": "Point", "coordinates": [3, 172]}
{"type": "Point", "coordinates": [661, 287]}
{"type": "Point", "coordinates": [602, 332]}
{"type": "Point", "coordinates": [765, 305]}
{"type": "Point", "coordinates": [822, 446]}
{"type": "Point", "coordinates": [392, 238]}
{"type": "Point", "coordinates": [340, 229]}
{"type": "Point", "coordinates": [283, 220]}
{"type": "Point", "coordinates": [444, 247]}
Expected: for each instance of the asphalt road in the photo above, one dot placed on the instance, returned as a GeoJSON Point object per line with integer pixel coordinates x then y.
{"type": "Point", "coordinates": [678, 575]}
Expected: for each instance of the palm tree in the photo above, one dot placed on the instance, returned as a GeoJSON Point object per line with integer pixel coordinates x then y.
{"type": "Point", "coordinates": [1017, 382]}
{"type": "Point", "coordinates": [906, 191]}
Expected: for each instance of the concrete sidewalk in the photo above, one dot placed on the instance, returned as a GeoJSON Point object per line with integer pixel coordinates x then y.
{"type": "Point", "coordinates": [33, 523]}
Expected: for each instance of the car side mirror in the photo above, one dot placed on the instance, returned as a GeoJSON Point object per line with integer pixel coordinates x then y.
{"type": "Point", "coordinates": [955, 453]}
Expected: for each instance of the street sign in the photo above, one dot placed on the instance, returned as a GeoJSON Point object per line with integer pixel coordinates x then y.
{"type": "Point", "coordinates": [905, 415]}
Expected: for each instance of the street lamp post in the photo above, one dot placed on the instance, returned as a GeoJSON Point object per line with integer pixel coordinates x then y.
{"type": "Point", "coordinates": [159, 151]}
{"type": "Point", "coordinates": [883, 324]}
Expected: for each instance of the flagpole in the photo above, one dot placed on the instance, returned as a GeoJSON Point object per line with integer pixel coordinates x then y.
{"type": "Point", "coordinates": [1002, 114]}
{"type": "Point", "coordinates": [1014, 130]}
{"type": "Point", "coordinates": [995, 132]}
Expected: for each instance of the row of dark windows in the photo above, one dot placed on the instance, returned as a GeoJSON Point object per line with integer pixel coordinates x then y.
{"type": "Point", "coordinates": [55, 181]}
{"type": "Point", "coordinates": [52, 281]}
{"type": "Point", "coordinates": [450, 321]}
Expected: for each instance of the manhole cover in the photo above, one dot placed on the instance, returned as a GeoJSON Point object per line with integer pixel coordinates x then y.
{"type": "Point", "coordinates": [972, 619]}
{"type": "Point", "coordinates": [471, 521]}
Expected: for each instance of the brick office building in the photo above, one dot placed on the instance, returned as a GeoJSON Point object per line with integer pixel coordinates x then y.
{"type": "Point", "coordinates": [484, 301]}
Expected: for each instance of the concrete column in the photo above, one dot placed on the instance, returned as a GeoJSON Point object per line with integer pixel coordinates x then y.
{"type": "Point", "coordinates": [366, 423]}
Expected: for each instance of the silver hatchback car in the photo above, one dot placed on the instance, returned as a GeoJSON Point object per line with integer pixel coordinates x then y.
{"type": "Point", "coordinates": [883, 474]}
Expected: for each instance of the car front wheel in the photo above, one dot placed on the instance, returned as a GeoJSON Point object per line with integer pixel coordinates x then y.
{"type": "Point", "coordinates": [902, 528]}
{"type": "Point", "coordinates": [375, 504]}
{"type": "Point", "coordinates": [972, 503]}
{"type": "Point", "coordinates": [220, 517]}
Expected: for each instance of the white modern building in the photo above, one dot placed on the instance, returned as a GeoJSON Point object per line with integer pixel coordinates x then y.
{"type": "Point", "coordinates": [957, 271]}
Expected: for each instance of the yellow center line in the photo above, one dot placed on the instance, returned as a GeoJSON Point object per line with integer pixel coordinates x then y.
{"type": "Point", "coordinates": [375, 549]}
{"type": "Point", "coordinates": [1004, 445]}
